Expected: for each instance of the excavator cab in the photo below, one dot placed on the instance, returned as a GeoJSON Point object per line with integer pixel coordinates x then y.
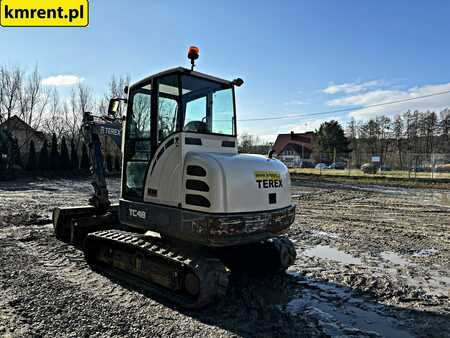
{"type": "Point", "coordinates": [170, 103]}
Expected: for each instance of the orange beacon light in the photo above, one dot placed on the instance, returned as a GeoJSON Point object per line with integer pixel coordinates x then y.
{"type": "Point", "coordinates": [193, 54]}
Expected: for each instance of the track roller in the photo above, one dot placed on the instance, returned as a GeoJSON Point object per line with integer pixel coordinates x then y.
{"type": "Point", "coordinates": [150, 264]}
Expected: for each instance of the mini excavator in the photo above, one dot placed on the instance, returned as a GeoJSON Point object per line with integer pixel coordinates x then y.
{"type": "Point", "coordinates": [191, 209]}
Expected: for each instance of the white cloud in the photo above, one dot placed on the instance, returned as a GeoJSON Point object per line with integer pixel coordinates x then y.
{"type": "Point", "coordinates": [349, 88]}
{"type": "Point", "coordinates": [62, 80]}
{"type": "Point", "coordinates": [436, 103]}
{"type": "Point", "coordinates": [294, 103]}
{"type": "Point", "coordinates": [267, 137]}
{"type": "Point", "coordinates": [308, 125]}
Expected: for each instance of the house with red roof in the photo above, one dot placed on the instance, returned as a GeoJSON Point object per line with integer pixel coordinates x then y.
{"type": "Point", "coordinates": [294, 148]}
{"type": "Point", "coordinates": [23, 133]}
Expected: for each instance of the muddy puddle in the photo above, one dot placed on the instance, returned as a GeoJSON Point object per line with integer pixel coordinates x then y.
{"type": "Point", "coordinates": [341, 313]}
{"type": "Point", "coordinates": [328, 252]}
{"type": "Point", "coordinates": [434, 281]}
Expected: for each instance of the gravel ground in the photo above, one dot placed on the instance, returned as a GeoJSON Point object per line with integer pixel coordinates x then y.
{"type": "Point", "coordinates": [372, 261]}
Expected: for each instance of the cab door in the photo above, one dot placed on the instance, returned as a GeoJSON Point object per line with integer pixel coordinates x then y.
{"type": "Point", "coordinates": [139, 142]}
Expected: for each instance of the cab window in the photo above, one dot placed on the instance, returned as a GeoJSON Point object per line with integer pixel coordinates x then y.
{"type": "Point", "coordinates": [168, 97]}
{"type": "Point", "coordinates": [137, 143]}
{"type": "Point", "coordinates": [208, 106]}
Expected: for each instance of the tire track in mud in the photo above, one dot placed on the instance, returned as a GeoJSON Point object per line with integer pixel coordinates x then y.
{"type": "Point", "coordinates": [372, 213]}
{"type": "Point", "coordinates": [68, 264]}
{"type": "Point", "coordinates": [44, 299]}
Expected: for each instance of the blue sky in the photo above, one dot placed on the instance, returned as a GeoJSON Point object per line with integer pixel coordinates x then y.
{"type": "Point", "coordinates": [296, 57]}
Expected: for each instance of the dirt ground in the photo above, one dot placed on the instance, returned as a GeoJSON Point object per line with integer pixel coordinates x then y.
{"type": "Point", "coordinates": [372, 261]}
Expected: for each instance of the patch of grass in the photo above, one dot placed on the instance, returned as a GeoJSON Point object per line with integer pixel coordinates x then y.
{"type": "Point", "coordinates": [397, 179]}
{"type": "Point", "coordinates": [358, 173]}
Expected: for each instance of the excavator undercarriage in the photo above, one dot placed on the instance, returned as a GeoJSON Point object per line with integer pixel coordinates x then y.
{"type": "Point", "coordinates": [187, 275]}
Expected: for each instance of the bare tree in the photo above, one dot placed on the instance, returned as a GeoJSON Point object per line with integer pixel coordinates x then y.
{"type": "Point", "coordinates": [430, 128]}
{"type": "Point", "coordinates": [115, 89]}
{"type": "Point", "coordinates": [384, 135]}
{"type": "Point", "coordinates": [54, 122]}
{"type": "Point", "coordinates": [444, 126]}
{"type": "Point", "coordinates": [84, 98]}
{"type": "Point", "coordinates": [33, 99]}
{"type": "Point", "coordinates": [352, 135]}
{"type": "Point", "coordinates": [398, 131]}
{"type": "Point", "coordinates": [10, 82]}
{"type": "Point", "coordinates": [249, 143]}
{"type": "Point", "coordinates": [73, 117]}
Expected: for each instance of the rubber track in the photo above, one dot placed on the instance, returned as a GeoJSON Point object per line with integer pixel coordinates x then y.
{"type": "Point", "coordinates": [286, 251]}
{"type": "Point", "coordinates": [210, 271]}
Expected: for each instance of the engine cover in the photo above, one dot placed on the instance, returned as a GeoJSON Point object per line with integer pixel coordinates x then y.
{"type": "Point", "coordinates": [234, 183]}
{"type": "Point", "coordinates": [205, 173]}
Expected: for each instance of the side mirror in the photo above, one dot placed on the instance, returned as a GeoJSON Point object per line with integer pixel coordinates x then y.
{"type": "Point", "coordinates": [113, 107]}
{"type": "Point", "coordinates": [238, 82]}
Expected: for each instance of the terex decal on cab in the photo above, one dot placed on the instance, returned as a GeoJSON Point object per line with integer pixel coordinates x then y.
{"type": "Point", "coordinates": [268, 179]}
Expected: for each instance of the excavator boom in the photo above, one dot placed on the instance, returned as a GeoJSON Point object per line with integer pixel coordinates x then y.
{"type": "Point", "coordinates": [93, 128]}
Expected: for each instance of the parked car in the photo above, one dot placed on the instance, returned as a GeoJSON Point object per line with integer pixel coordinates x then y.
{"type": "Point", "coordinates": [321, 166]}
{"type": "Point", "coordinates": [417, 169]}
{"type": "Point", "coordinates": [443, 168]}
{"type": "Point", "coordinates": [306, 164]}
{"type": "Point", "coordinates": [386, 167]}
{"type": "Point", "coordinates": [337, 165]}
{"type": "Point", "coordinates": [369, 168]}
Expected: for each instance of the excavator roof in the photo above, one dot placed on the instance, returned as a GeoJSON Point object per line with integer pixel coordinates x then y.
{"type": "Point", "coordinates": [180, 70]}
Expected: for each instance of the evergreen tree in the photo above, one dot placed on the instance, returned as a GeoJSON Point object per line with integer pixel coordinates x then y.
{"type": "Point", "coordinates": [64, 158]}
{"type": "Point", "coordinates": [54, 154]}
{"type": "Point", "coordinates": [330, 140]}
{"type": "Point", "coordinates": [85, 163]}
{"type": "Point", "coordinates": [17, 154]}
{"type": "Point", "coordinates": [31, 165]}
{"type": "Point", "coordinates": [43, 157]}
{"type": "Point", "coordinates": [74, 157]}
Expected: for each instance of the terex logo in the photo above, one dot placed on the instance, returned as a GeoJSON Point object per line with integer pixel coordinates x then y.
{"type": "Point", "coordinates": [109, 131]}
{"type": "Point", "coordinates": [137, 213]}
{"type": "Point", "coordinates": [268, 179]}
{"type": "Point", "coordinates": [269, 184]}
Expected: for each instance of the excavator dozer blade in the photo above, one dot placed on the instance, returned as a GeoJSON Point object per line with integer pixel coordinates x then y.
{"type": "Point", "coordinates": [72, 224]}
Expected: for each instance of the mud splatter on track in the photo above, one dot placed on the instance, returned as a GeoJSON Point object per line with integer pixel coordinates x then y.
{"type": "Point", "coordinates": [371, 262]}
